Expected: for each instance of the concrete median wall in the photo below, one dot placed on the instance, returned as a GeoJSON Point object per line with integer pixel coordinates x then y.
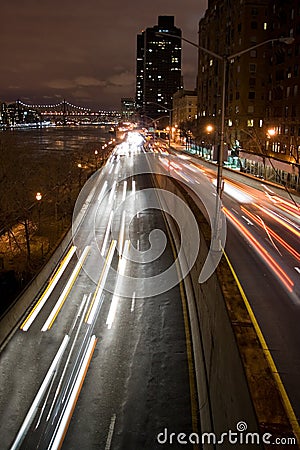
{"type": "Point", "coordinates": [233, 378]}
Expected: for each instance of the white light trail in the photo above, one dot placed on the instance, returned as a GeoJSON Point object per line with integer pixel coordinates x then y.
{"type": "Point", "coordinates": [132, 302]}
{"type": "Point", "coordinates": [115, 299]}
{"type": "Point", "coordinates": [56, 444]}
{"type": "Point", "coordinates": [124, 191]}
{"type": "Point", "coordinates": [106, 236]}
{"type": "Point", "coordinates": [34, 407]}
{"type": "Point", "coordinates": [66, 291]}
{"type": "Point", "coordinates": [121, 234]}
{"type": "Point", "coordinates": [112, 192]}
{"type": "Point", "coordinates": [101, 284]}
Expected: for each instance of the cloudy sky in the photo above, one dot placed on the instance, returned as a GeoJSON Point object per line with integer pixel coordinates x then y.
{"type": "Point", "coordinates": [83, 50]}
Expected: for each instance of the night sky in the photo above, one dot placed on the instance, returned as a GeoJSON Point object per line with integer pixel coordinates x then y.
{"type": "Point", "coordinates": [83, 51]}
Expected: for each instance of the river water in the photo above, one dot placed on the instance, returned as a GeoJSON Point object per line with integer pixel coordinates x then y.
{"type": "Point", "coordinates": [56, 139]}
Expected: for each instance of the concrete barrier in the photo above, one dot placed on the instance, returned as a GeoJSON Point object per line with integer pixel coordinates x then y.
{"type": "Point", "coordinates": [233, 377]}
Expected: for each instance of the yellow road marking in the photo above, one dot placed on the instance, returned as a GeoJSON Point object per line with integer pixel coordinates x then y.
{"type": "Point", "coordinates": [286, 402]}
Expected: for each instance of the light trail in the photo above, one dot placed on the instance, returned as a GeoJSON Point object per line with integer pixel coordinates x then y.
{"type": "Point", "coordinates": [39, 305]}
{"type": "Point", "coordinates": [63, 426]}
{"type": "Point", "coordinates": [41, 392]}
{"type": "Point", "coordinates": [121, 234]}
{"type": "Point", "coordinates": [63, 296]}
{"type": "Point", "coordinates": [287, 224]}
{"type": "Point", "coordinates": [274, 235]}
{"type": "Point", "coordinates": [100, 286]}
{"type": "Point", "coordinates": [106, 236]}
{"type": "Point", "coordinates": [287, 282]}
{"type": "Point", "coordinates": [121, 270]}
{"type": "Point", "coordinates": [112, 192]}
{"type": "Point", "coordinates": [124, 191]}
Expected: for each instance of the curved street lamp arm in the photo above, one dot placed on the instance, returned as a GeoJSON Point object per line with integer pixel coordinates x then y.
{"type": "Point", "coordinates": [192, 43]}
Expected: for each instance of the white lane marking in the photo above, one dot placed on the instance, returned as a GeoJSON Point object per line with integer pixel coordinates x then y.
{"type": "Point", "coordinates": [124, 190]}
{"type": "Point", "coordinates": [110, 432]}
{"type": "Point", "coordinates": [297, 269]}
{"type": "Point", "coordinates": [132, 302]}
{"type": "Point", "coordinates": [138, 245]}
{"type": "Point", "coordinates": [66, 290]}
{"type": "Point", "coordinates": [34, 407]}
{"type": "Point", "coordinates": [247, 220]}
{"type": "Point", "coordinates": [110, 170]}
{"type": "Point", "coordinates": [102, 282]}
{"type": "Point", "coordinates": [57, 442]}
{"type": "Point", "coordinates": [32, 316]}
{"type": "Point", "coordinates": [107, 233]}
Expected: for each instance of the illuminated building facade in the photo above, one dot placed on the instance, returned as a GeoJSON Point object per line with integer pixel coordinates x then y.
{"type": "Point", "coordinates": [158, 68]}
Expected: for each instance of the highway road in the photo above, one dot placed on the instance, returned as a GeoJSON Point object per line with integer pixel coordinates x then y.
{"type": "Point", "coordinates": [91, 367]}
{"type": "Point", "coordinates": [102, 363]}
{"type": "Point", "coordinates": [263, 247]}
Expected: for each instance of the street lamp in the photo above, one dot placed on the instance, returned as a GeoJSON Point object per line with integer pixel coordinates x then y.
{"type": "Point", "coordinates": [38, 197]}
{"type": "Point", "coordinates": [170, 117]}
{"type": "Point", "coordinates": [225, 59]}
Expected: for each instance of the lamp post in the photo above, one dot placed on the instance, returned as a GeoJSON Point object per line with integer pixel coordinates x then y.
{"type": "Point", "coordinates": [225, 60]}
{"type": "Point", "coordinates": [169, 115]}
{"type": "Point", "coordinates": [38, 197]}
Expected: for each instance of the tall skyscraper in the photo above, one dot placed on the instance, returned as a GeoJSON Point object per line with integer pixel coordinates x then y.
{"type": "Point", "coordinates": [158, 68]}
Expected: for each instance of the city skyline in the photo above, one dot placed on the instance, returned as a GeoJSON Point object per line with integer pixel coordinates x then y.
{"type": "Point", "coordinates": [85, 53]}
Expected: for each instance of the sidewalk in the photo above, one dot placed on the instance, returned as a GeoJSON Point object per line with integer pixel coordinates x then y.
{"type": "Point", "coordinates": [248, 179]}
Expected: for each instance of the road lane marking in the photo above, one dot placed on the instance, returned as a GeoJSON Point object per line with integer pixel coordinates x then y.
{"type": "Point", "coordinates": [34, 407]}
{"type": "Point", "coordinates": [110, 432]}
{"type": "Point", "coordinates": [63, 296]}
{"type": "Point", "coordinates": [100, 286]}
{"type": "Point", "coordinates": [65, 421]}
{"type": "Point", "coordinates": [46, 294]}
{"type": "Point", "coordinates": [297, 269]}
{"type": "Point", "coordinates": [285, 399]}
{"type": "Point", "coordinates": [247, 220]}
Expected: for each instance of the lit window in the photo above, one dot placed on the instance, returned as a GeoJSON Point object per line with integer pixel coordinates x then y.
{"type": "Point", "coordinates": [211, 61]}
{"type": "Point", "coordinates": [265, 25]}
{"type": "Point", "coordinates": [250, 122]}
{"type": "Point", "coordinates": [229, 122]}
